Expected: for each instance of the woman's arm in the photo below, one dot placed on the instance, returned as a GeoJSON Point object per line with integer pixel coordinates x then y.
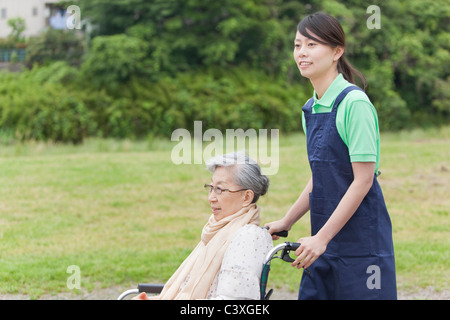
{"type": "Point", "coordinates": [312, 247]}
{"type": "Point", "coordinates": [298, 210]}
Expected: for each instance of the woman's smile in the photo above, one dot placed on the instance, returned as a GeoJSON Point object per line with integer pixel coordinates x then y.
{"type": "Point", "coordinates": [304, 64]}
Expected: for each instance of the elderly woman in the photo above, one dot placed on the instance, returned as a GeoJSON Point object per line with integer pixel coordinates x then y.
{"type": "Point", "coordinates": [227, 262]}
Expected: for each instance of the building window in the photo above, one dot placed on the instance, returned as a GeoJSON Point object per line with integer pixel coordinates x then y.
{"type": "Point", "coordinates": [35, 11]}
{"type": "Point", "coordinates": [3, 13]}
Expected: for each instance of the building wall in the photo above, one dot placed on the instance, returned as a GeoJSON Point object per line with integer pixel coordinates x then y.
{"type": "Point", "coordinates": [35, 13]}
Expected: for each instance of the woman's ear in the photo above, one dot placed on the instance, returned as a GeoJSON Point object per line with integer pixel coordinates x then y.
{"type": "Point", "coordinates": [339, 51]}
{"type": "Point", "coordinates": [248, 197]}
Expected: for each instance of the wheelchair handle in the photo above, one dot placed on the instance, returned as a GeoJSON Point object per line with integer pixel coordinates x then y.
{"type": "Point", "coordinates": [292, 246]}
{"type": "Point", "coordinates": [282, 234]}
{"type": "Point", "coordinates": [289, 246]}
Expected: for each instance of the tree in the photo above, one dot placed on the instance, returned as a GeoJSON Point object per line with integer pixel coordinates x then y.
{"type": "Point", "coordinates": [18, 27]}
{"type": "Point", "coordinates": [186, 35]}
{"type": "Point", "coordinates": [114, 60]}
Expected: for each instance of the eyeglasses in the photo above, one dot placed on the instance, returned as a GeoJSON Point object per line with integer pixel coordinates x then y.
{"type": "Point", "coordinates": [218, 190]}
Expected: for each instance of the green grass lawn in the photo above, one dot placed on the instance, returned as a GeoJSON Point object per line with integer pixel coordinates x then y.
{"type": "Point", "coordinates": [124, 213]}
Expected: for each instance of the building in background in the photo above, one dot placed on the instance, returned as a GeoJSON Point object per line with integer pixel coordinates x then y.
{"type": "Point", "coordinates": [39, 15]}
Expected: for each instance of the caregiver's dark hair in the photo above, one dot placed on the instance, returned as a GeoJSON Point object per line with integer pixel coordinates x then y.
{"type": "Point", "coordinates": [330, 31]}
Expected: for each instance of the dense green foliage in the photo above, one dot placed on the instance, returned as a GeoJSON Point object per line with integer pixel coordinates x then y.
{"type": "Point", "coordinates": [51, 102]}
{"type": "Point", "coordinates": [55, 45]}
{"type": "Point", "coordinates": [153, 66]}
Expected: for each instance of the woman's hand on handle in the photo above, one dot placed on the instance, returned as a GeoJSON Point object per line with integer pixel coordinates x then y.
{"type": "Point", "coordinates": [277, 226]}
{"type": "Point", "coordinates": [311, 248]}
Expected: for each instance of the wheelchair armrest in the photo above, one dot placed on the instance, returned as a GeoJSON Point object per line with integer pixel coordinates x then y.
{"type": "Point", "coordinates": [150, 288]}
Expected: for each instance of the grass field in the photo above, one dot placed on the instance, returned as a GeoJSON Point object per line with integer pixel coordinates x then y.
{"type": "Point", "coordinates": [124, 213]}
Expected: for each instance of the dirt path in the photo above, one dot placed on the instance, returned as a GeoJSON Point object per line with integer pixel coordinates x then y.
{"type": "Point", "coordinates": [113, 292]}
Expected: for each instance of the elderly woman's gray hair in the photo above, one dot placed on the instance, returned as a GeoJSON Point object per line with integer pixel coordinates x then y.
{"type": "Point", "coordinates": [248, 173]}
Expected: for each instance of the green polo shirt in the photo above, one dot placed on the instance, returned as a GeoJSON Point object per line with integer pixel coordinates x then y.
{"type": "Point", "coordinates": [356, 121]}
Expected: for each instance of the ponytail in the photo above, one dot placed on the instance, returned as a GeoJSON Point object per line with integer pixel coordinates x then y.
{"type": "Point", "coordinates": [349, 72]}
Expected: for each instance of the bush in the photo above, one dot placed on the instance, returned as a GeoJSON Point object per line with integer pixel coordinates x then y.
{"type": "Point", "coordinates": [230, 99]}
{"type": "Point", "coordinates": [55, 45]}
{"type": "Point", "coordinates": [57, 103]}
{"type": "Point", "coordinates": [393, 112]}
{"type": "Point", "coordinates": [35, 109]}
{"type": "Point", "coordinates": [113, 61]}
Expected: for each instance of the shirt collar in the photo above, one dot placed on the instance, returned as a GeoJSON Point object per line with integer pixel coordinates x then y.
{"type": "Point", "coordinates": [338, 84]}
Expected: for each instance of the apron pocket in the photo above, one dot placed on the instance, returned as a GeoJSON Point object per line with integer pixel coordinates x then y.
{"type": "Point", "coordinates": [353, 240]}
{"type": "Point", "coordinates": [355, 237]}
{"type": "Point", "coordinates": [320, 211]}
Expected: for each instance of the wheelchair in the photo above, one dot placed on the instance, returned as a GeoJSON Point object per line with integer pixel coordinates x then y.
{"type": "Point", "coordinates": [283, 249]}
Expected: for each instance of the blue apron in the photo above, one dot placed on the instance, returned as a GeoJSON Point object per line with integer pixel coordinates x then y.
{"type": "Point", "coordinates": [359, 261]}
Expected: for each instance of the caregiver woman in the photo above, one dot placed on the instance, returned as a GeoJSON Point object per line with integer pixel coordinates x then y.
{"type": "Point", "coordinates": [350, 252]}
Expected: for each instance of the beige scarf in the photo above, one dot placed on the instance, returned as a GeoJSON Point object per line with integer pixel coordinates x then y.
{"type": "Point", "coordinates": [199, 269]}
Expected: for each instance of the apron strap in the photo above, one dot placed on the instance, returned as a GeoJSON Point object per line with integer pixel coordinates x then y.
{"type": "Point", "coordinates": [308, 105]}
{"type": "Point", "coordinates": [342, 95]}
